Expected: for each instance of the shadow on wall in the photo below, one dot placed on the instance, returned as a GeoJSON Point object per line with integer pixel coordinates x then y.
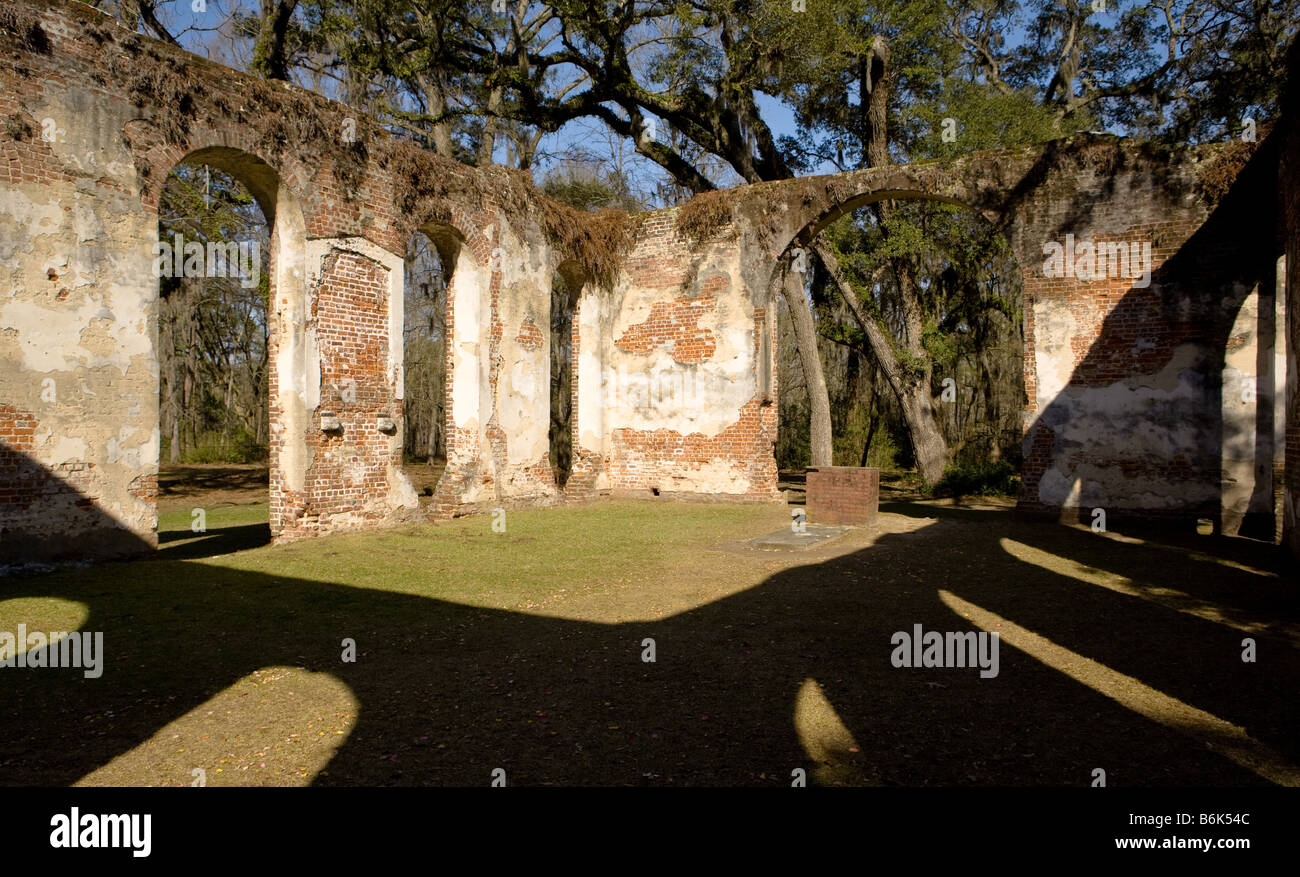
{"type": "Point", "coordinates": [33, 498]}
{"type": "Point", "coordinates": [792, 673]}
{"type": "Point", "coordinates": [1143, 411]}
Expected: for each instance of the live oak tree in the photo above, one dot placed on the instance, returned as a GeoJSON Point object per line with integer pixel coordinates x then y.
{"type": "Point", "coordinates": [870, 84]}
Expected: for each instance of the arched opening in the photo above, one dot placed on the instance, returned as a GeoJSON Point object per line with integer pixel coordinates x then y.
{"type": "Point", "coordinates": [1253, 423]}
{"type": "Point", "coordinates": [944, 292]}
{"type": "Point", "coordinates": [430, 263]}
{"type": "Point", "coordinates": [213, 263]}
{"type": "Point", "coordinates": [229, 261]}
{"type": "Point", "coordinates": [566, 287]}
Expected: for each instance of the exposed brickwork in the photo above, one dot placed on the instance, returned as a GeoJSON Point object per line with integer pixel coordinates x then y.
{"type": "Point", "coordinates": [254, 131]}
{"type": "Point", "coordinates": [652, 460]}
{"type": "Point", "coordinates": [673, 323]}
{"type": "Point", "coordinates": [737, 460]}
{"type": "Point", "coordinates": [843, 495]}
{"type": "Point", "coordinates": [1129, 363]}
{"type": "Point", "coordinates": [52, 512]}
{"type": "Point", "coordinates": [529, 337]}
{"type": "Point", "coordinates": [349, 469]}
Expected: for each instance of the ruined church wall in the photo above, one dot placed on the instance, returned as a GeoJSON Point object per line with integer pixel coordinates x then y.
{"type": "Point", "coordinates": [673, 393]}
{"type": "Point", "coordinates": [1146, 395]}
{"type": "Point", "coordinates": [78, 323]}
{"type": "Point", "coordinates": [78, 369]}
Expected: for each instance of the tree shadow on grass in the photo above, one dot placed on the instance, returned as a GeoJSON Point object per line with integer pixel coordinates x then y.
{"type": "Point", "coordinates": [447, 692]}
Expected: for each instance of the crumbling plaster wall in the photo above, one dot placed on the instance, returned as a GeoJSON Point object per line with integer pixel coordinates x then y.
{"type": "Point", "coordinates": [1135, 400]}
{"type": "Point", "coordinates": [678, 365]}
{"type": "Point", "coordinates": [78, 357]}
{"type": "Point", "coordinates": [77, 360]}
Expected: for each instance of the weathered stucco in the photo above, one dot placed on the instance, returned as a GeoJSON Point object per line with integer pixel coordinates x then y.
{"type": "Point", "coordinates": [1134, 386]}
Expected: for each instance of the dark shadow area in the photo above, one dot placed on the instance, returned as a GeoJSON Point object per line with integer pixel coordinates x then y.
{"type": "Point", "coordinates": [39, 506]}
{"type": "Point", "coordinates": [215, 541]}
{"type": "Point", "coordinates": [181, 480]}
{"type": "Point", "coordinates": [449, 692]}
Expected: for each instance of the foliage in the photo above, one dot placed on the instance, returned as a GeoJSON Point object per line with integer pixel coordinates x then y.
{"type": "Point", "coordinates": [989, 479]}
{"type": "Point", "coordinates": [239, 446]}
{"type": "Point", "coordinates": [214, 366]}
{"type": "Point", "coordinates": [424, 350]}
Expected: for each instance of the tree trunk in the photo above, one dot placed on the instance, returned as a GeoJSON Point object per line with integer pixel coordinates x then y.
{"type": "Point", "coordinates": [913, 394]}
{"type": "Point", "coordinates": [488, 147]}
{"type": "Point", "coordinates": [806, 340]}
{"type": "Point", "coordinates": [435, 99]}
{"type": "Point", "coordinates": [270, 52]}
{"type": "Point", "coordinates": [873, 422]}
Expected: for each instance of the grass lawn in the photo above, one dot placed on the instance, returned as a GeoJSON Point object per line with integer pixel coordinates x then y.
{"type": "Point", "coordinates": [524, 650]}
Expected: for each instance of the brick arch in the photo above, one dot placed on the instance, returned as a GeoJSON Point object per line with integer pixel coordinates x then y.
{"type": "Point", "coordinates": [812, 203]}
{"type": "Point", "coordinates": [451, 228]}
{"type": "Point", "coordinates": [804, 237]}
{"type": "Point", "coordinates": [448, 240]}
{"type": "Point", "coordinates": [840, 199]}
{"type": "Point", "coordinates": [265, 176]}
{"type": "Point", "coordinates": [288, 314]}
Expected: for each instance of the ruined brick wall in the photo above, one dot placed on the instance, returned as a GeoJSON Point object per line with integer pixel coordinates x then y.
{"type": "Point", "coordinates": [1146, 395]}
{"type": "Point", "coordinates": [1152, 397]}
{"type": "Point", "coordinates": [352, 462]}
{"type": "Point", "coordinates": [681, 359]}
{"type": "Point", "coordinates": [78, 321]}
{"type": "Point", "coordinates": [1136, 394]}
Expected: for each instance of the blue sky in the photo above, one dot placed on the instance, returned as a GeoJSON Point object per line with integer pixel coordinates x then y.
{"type": "Point", "coordinates": [202, 33]}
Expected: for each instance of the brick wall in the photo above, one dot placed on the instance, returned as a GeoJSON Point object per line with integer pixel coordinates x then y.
{"type": "Point", "coordinates": [349, 468]}
{"type": "Point", "coordinates": [115, 146]}
{"type": "Point", "coordinates": [1130, 387]}
{"type": "Point", "coordinates": [843, 495]}
{"type": "Point", "coordinates": [1127, 387]}
{"type": "Point", "coordinates": [685, 410]}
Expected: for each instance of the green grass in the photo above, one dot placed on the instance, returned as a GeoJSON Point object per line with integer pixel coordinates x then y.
{"type": "Point", "coordinates": [523, 650]}
{"type": "Point", "coordinates": [587, 551]}
{"type": "Point", "coordinates": [178, 520]}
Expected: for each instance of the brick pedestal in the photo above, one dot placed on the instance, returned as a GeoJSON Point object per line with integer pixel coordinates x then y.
{"type": "Point", "coordinates": [843, 495]}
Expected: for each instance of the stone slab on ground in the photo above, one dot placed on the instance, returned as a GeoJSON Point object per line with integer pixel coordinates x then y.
{"type": "Point", "coordinates": [787, 540]}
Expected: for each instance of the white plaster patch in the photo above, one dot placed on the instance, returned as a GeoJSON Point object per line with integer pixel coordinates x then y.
{"type": "Point", "coordinates": [64, 449]}
{"type": "Point", "coordinates": [1054, 328]}
{"type": "Point", "coordinates": [465, 293]}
